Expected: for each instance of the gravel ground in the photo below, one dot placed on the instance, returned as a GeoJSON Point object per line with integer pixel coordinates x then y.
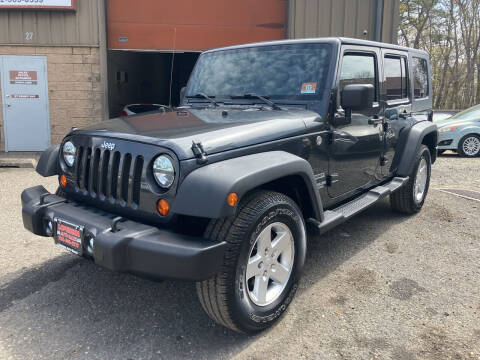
{"type": "Point", "coordinates": [381, 286]}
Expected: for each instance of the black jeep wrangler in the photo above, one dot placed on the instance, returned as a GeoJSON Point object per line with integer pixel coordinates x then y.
{"type": "Point", "coordinates": [271, 140]}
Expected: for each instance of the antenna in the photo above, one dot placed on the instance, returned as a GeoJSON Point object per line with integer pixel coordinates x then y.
{"type": "Point", "coordinates": [171, 67]}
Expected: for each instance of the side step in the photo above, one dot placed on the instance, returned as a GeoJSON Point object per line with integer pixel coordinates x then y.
{"type": "Point", "coordinates": [346, 211]}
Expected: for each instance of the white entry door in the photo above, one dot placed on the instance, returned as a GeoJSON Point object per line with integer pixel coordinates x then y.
{"type": "Point", "coordinates": [25, 103]}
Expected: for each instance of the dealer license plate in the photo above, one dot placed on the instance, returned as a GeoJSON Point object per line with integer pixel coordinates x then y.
{"type": "Point", "coordinates": [69, 236]}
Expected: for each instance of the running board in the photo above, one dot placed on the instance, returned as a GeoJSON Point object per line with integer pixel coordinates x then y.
{"type": "Point", "coordinates": [346, 211]}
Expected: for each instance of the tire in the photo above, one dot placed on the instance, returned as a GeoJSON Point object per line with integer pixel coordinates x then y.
{"type": "Point", "coordinates": [405, 200]}
{"type": "Point", "coordinates": [228, 298]}
{"type": "Point", "coordinates": [469, 146]}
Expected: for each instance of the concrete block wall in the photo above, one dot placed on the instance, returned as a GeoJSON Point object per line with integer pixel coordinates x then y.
{"type": "Point", "coordinates": [74, 87]}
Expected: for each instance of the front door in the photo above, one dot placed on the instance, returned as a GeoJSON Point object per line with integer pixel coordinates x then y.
{"type": "Point", "coordinates": [356, 148]}
{"type": "Point", "coordinates": [25, 103]}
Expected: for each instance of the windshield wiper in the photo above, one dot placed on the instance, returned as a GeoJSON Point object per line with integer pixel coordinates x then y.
{"type": "Point", "coordinates": [204, 96]}
{"type": "Point", "coordinates": [256, 96]}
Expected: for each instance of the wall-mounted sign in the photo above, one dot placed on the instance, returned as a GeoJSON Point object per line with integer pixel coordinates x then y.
{"type": "Point", "coordinates": [22, 77]}
{"type": "Point", "coordinates": [38, 4]}
{"type": "Point", "coordinates": [24, 96]}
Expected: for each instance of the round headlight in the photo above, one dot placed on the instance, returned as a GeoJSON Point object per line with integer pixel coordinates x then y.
{"type": "Point", "coordinates": [69, 151]}
{"type": "Point", "coordinates": [163, 171]}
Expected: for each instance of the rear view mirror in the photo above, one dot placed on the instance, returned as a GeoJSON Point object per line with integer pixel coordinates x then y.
{"type": "Point", "coordinates": [357, 97]}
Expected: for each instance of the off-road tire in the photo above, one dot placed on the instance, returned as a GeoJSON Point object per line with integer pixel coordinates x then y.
{"type": "Point", "coordinates": [460, 145]}
{"type": "Point", "coordinates": [224, 297]}
{"type": "Point", "coordinates": [403, 200]}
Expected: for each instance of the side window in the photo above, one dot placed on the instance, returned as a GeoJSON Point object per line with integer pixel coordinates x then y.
{"type": "Point", "coordinates": [396, 77]}
{"type": "Point", "coordinates": [358, 69]}
{"type": "Point", "coordinates": [420, 78]}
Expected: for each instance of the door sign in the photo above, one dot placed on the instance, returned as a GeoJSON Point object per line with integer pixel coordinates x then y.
{"type": "Point", "coordinates": [23, 77]}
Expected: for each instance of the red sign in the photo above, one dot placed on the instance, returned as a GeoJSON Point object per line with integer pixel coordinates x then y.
{"type": "Point", "coordinates": [24, 96]}
{"type": "Point", "coordinates": [69, 236]}
{"type": "Point", "coordinates": [38, 4]}
{"type": "Point", "coordinates": [21, 77]}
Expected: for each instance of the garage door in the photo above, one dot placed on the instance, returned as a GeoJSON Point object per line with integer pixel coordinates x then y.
{"type": "Point", "coordinates": [192, 25]}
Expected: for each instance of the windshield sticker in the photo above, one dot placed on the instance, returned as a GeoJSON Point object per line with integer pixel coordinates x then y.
{"type": "Point", "coordinates": [309, 88]}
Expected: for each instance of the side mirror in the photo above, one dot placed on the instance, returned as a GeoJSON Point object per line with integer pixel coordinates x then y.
{"type": "Point", "coordinates": [357, 97]}
{"type": "Point", "coordinates": [392, 114]}
{"type": "Point", "coordinates": [182, 93]}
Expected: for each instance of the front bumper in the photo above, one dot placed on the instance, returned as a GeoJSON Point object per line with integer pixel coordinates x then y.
{"type": "Point", "coordinates": [447, 141]}
{"type": "Point", "coordinates": [131, 246]}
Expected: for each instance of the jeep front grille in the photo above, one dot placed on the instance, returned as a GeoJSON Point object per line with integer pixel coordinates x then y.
{"type": "Point", "coordinates": [109, 175]}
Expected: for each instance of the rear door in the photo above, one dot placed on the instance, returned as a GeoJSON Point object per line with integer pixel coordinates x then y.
{"type": "Point", "coordinates": [397, 98]}
{"type": "Point", "coordinates": [356, 148]}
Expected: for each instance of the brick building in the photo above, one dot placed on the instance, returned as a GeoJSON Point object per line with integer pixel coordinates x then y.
{"type": "Point", "coordinates": [67, 63]}
{"type": "Point", "coordinates": [62, 45]}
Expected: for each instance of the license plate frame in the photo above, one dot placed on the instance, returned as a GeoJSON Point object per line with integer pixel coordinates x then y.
{"type": "Point", "coordinates": [69, 236]}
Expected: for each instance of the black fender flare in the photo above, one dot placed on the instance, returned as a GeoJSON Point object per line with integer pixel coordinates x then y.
{"type": "Point", "coordinates": [413, 142]}
{"type": "Point", "coordinates": [48, 163]}
{"type": "Point", "coordinates": [204, 191]}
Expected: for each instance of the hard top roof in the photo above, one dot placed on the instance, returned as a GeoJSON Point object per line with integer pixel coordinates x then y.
{"type": "Point", "coordinates": [332, 40]}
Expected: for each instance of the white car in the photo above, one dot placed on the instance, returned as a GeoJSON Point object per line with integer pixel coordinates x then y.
{"type": "Point", "coordinates": [133, 109]}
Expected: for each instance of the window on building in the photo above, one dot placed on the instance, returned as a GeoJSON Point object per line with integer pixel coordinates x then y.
{"type": "Point", "coordinates": [395, 77]}
{"type": "Point", "coordinates": [358, 69]}
{"type": "Point", "coordinates": [420, 78]}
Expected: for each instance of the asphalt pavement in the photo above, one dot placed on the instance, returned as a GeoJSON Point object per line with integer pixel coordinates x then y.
{"type": "Point", "coordinates": [382, 285]}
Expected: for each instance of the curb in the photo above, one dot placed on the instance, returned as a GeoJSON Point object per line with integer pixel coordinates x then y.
{"type": "Point", "coordinates": [18, 163]}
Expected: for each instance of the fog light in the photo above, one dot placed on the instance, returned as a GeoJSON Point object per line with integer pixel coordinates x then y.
{"type": "Point", "coordinates": [49, 228]}
{"type": "Point", "coordinates": [163, 207]}
{"type": "Point", "coordinates": [90, 244]}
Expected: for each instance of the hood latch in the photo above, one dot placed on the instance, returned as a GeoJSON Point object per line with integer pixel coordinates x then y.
{"type": "Point", "coordinates": [199, 152]}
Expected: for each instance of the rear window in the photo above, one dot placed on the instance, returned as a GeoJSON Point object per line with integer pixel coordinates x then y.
{"type": "Point", "coordinates": [143, 108]}
{"type": "Point", "coordinates": [395, 77]}
{"type": "Point", "coordinates": [420, 78]}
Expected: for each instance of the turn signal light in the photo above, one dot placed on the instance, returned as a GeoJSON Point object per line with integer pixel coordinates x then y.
{"type": "Point", "coordinates": [163, 207]}
{"type": "Point", "coordinates": [63, 180]}
{"type": "Point", "coordinates": [232, 199]}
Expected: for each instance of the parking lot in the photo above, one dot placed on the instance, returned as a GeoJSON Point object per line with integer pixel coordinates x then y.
{"type": "Point", "coordinates": [382, 285]}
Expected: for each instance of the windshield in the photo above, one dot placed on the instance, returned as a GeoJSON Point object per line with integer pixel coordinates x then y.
{"type": "Point", "coordinates": [290, 71]}
{"type": "Point", "coordinates": [470, 114]}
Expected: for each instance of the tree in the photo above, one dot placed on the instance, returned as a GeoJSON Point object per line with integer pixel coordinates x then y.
{"type": "Point", "coordinates": [449, 30]}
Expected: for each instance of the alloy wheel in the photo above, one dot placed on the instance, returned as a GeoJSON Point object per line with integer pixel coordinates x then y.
{"type": "Point", "coordinates": [421, 181]}
{"type": "Point", "coordinates": [471, 146]}
{"type": "Point", "coordinates": [270, 264]}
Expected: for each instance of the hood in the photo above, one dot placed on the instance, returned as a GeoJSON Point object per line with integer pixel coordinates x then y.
{"type": "Point", "coordinates": [218, 129]}
{"type": "Point", "coordinates": [451, 122]}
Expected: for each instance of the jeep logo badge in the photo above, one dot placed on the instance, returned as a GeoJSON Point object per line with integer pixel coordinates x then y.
{"type": "Point", "coordinates": [108, 146]}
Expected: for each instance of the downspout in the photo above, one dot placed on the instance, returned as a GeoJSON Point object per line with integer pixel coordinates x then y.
{"type": "Point", "coordinates": [289, 25]}
{"type": "Point", "coordinates": [102, 39]}
{"type": "Point", "coordinates": [378, 20]}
